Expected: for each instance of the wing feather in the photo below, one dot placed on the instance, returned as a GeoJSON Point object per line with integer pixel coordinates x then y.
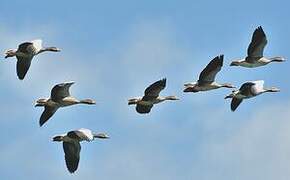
{"type": "Point", "coordinates": [210, 71]}
{"type": "Point", "coordinates": [60, 91]}
{"type": "Point", "coordinates": [152, 92]}
{"type": "Point", "coordinates": [72, 155]}
{"type": "Point", "coordinates": [257, 45]}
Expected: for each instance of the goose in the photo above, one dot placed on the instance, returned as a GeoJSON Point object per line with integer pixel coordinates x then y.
{"type": "Point", "coordinates": [255, 56]}
{"type": "Point", "coordinates": [248, 90]}
{"type": "Point", "coordinates": [71, 145]}
{"type": "Point", "coordinates": [151, 97]}
{"type": "Point", "coordinates": [25, 53]}
{"type": "Point", "coordinates": [206, 79]}
{"type": "Point", "coordinates": [60, 97]}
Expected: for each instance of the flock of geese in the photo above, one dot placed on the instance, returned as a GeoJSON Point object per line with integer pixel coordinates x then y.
{"type": "Point", "coordinates": [60, 95]}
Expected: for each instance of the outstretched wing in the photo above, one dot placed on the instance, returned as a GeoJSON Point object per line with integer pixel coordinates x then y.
{"type": "Point", "coordinates": [235, 103]}
{"type": "Point", "coordinates": [61, 91]}
{"type": "Point", "coordinates": [210, 71]}
{"type": "Point", "coordinates": [25, 47]}
{"type": "Point", "coordinates": [142, 109]}
{"type": "Point", "coordinates": [72, 155]}
{"type": "Point", "coordinates": [47, 113]}
{"type": "Point", "coordinates": [152, 92]}
{"type": "Point", "coordinates": [258, 43]}
{"type": "Point", "coordinates": [22, 66]}
{"type": "Point", "coordinates": [247, 89]}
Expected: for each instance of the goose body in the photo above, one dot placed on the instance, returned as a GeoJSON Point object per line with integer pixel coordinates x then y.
{"type": "Point", "coordinates": [206, 79]}
{"type": "Point", "coordinates": [248, 90]}
{"type": "Point", "coordinates": [255, 57]}
{"type": "Point", "coordinates": [71, 145]}
{"type": "Point", "coordinates": [60, 97]}
{"type": "Point", "coordinates": [151, 97]}
{"type": "Point", "coordinates": [25, 53]}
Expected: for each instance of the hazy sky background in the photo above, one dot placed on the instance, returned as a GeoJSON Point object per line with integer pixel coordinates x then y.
{"type": "Point", "coordinates": [114, 50]}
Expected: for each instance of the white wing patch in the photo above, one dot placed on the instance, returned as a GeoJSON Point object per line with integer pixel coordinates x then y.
{"type": "Point", "coordinates": [37, 43]}
{"type": "Point", "coordinates": [88, 133]}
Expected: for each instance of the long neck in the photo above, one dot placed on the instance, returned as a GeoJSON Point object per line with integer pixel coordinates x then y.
{"type": "Point", "coordinates": [277, 59]}
{"type": "Point", "coordinates": [169, 98]}
{"type": "Point", "coordinates": [273, 89]}
{"type": "Point", "coordinates": [87, 101]}
{"type": "Point", "coordinates": [100, 135]}
{"type": "Point", "coordinates": [53, 49]}
{"type": "Point", "coordinates": [226, 85]}
{"type": "Point", "coordinates": [172, 98]}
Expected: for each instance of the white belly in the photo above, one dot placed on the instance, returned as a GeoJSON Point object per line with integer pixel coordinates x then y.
{"type": "Point", "coordinates": [259, 62]}
{"type": "Point", "coordinates": [68, 101]}
{"type": "Point", "coordinates": [207, 87]}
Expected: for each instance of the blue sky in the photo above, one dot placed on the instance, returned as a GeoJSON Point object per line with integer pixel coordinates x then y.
{"type": "Point", "coordinates": [114, 50]}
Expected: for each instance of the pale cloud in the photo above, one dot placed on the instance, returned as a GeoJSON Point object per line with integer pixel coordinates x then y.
{"type": "Point", "coordinates": [257, 149]}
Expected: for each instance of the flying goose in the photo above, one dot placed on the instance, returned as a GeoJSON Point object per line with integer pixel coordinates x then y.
{"type": "Point", "coordinates": [60, 97]}
{"type": "Point", "coordinates": [255, 56]}
{"type": "Point", "coordinates": [206, 79]}
{"type": "Point", "coordinates": [248, 90]}
{"type": "Point", "coordinates": [25, 53]}
{"type": "Point", "coordinates": [71, 145]}
{"type": "Point", "coordinates": [151, 97]}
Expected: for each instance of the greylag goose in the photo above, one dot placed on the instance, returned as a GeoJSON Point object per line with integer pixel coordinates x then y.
{"type": "Point", "coordinates": [255, 56]}
{"type": "Point", "coordinates": [25, 53]}
{"type": "Point", "coordinates": [71, 145]}
{"type": "Point", "coordinates": [60, 97]}
{"type": "Point", "coordinates": [151, 97]}
{"type": "Point", "coordinates": [248, 90]}
{"type": "Point", "coordinates": [206, 79]}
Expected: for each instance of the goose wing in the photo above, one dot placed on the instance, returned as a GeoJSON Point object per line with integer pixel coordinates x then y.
{"type": "Point", "coordinates": [257, 45]}
{"type": "Point", "coordinates": [22, 66]}
{"type": "Point", "coordinates": [81, 134]}
{"type": "Point", "coordinates": [152, 92]}
{"type": "Point", "coordinates": [235, 103]}
{"type": "Point", "coordinates": [72, 151]}
{"type": "Point", "coordinates": [25, 47]}
{"type": "Point", "coordinates": [61, 91]}
{"type": "Point", "coordinates": [210, 71]}
{"type": "Point", "coordinates": [247, 89]}
{"type": "Point", "coordinates": [142, 109]}
{"type": "Point", "coordinates": [47, 113]}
